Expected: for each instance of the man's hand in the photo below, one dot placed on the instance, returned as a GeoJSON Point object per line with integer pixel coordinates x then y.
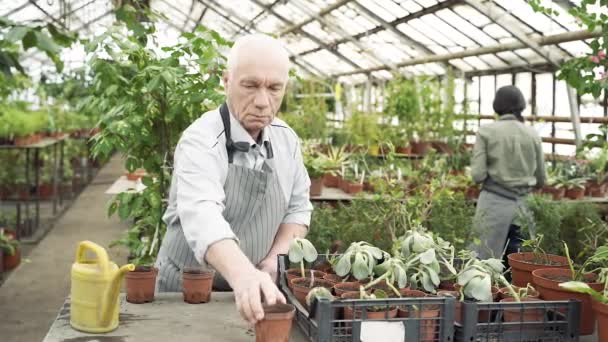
{"type": "Point", "coordinates": [269, 265]}
{"type": "Point", "coordinates": [250, 289]}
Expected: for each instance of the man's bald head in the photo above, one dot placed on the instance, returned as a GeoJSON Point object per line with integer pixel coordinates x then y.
{"type": "Point", "coordinates": [259, 48]}
{"type": "Point", "coordinates": [255, 81]}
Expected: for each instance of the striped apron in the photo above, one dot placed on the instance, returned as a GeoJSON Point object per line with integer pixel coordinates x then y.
{"type": "Point", "coordinates": [254, 207]}
{"type": "Point", "coordinates": [493, 216]}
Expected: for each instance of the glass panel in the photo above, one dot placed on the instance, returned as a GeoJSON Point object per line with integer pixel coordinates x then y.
{"type": "Point", "coordinates": [544, 94]}
{"type": "Point", "coordinates": [411, 6]}
{"type": "Point", "coordinates": [523, 81]}
{"type": "Point", "coordinates": [487, 94]}
{"type": "Point", "coordinates": [503, 80]}
{"type": "Point", "coordinates": [460, 64]}
{"type": "Point", "coordinates": [378, 9]}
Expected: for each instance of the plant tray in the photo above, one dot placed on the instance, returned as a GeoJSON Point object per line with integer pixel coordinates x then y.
{"type": "Point", "coordinates": [485, 322]}
{"type": "Point", "coordinates": [325, 322]}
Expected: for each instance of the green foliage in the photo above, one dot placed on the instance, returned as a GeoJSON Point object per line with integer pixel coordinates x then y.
{"type": "Point", "coordinates": [306, 109]}
{"type": "Point", "coordinates": [17, 121]}
{"type": "Point", "coordinates": [147, 99]}
{"type": "Point", "coordinates": [359, 260]}
{"type": "Point", "coordinates": [362, 129]}
{"type": "Point", "coordinates": [8, 244]}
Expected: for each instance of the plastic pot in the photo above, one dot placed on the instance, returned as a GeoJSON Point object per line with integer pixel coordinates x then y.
{"type": "Point", "coordinates": [428, 327]}
{"type": "Point", "coordinates": [349, 313]}
{"type": "Point", "coordinates": [334, 278]}
{"type": "Point", "coordinates": [404, 150]}
{"type": "Point", "coordinates": [575, 193]}
{"type": "Point", "coordinates": [595, 189]}
{"type": "Point", "coordinates": [547, 280]}
{"type": "Point", "coordinates": [354, 188]}
{"type": "Point", "coordinates": [346, 287]}
{"type": "Point", "coordinates": [601, 313]}
{"type": "Point", "coordinates": [196, 285]}
{"type": "Point", "coordinates": [504, 293]}
{"type": "Point", "coordinates": [140, 284]}
{"type": "Point", "coordinates": [331, 181]}
{"type": "Point", "coordinates": [10, 262]}
{"type": "Point", "coordinates": [556, 193]}
{"type": "Point", "coordinates": [421, 147]}
{"type": "Point", "coordinates": [523, 314]}
{"type": "Point", "coordinates": [276, 325]}
{"type": "Point", "coordinates": [522, 265]}
{"type": "Point", "coordinates": [458, 304]}
{"type": "Point", "coordinates": [294, 273]}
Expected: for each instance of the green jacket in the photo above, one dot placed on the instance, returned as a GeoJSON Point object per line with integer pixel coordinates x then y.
{"type": "Point", "coordinates": [509, 153]}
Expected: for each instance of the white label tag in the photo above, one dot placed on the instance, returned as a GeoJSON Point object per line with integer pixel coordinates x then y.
{"type": "Point", "coordinates": [387, 331]}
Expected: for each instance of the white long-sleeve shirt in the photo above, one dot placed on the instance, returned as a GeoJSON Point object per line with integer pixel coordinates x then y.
{"type": "Point", "coordinates": [197, 195]}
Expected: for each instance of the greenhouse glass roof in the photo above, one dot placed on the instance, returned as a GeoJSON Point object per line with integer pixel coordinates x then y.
{"type": "Point", "coordinates": [351, 39]}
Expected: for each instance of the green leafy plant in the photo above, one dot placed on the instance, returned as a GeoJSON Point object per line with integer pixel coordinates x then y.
{"type": "Point", "coordinates": [301, 250]}
{"type": "Point", "coordinates": [540, 256]}
{"type": "Point", "coordinates": [393, 271]}
{"type": "Point", "coordinates": [581, 287]}
{"type": "Point", "coordinates": [596, 262]}
{"type": "Point", "coordinates": [477, 277]}
{"type": "Point", "coordinates": [359, 259]}
{"type": "Point", "coordinates": [8, 245]}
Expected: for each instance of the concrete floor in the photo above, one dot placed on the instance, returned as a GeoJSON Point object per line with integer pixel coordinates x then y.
{"type": "Point", "coordinates": [32, 295]}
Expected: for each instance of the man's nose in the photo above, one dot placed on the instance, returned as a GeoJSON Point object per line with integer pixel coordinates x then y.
{"type": "Point", "coordinates": [261, 100]}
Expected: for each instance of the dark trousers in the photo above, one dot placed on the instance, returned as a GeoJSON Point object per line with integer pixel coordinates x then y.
{"type": "Point", "coordinates": [513, 244]}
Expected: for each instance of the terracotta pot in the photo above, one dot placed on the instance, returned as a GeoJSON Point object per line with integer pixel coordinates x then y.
{"type": "Point", "coordinates": [575, 193]}
{"type": "Point", "coordinates": [404, 150]}
{"type": "Point", "coordinates": [593, 189]}
{"type": "Point", "coordinates": [442, 147]}
{"type": "Point", "coordinates": [197, 285]}
{"type": "Point", "coordinates": [346, 287]}
{"type": "Point", "coordinates": [458, 303]}
{"type": "Point", "coordinates": [343, 184]}
{"type": "Point", "coordinates": [428, 327]}
{"type": "Point", "coordinates": [331, 181]}
{"type": "Point", "coordinates": [349, 313]}
{"type": "Point", "coordinates": [316, 186]}
{"type": "Point", "coordinates": [137, 174]}
{"type": "Point", "coordinates": [523, 314]}
{"type": "Point", "coordinates": [504, 293]}
{"type": "Point", "coordinates": [522, 265]}
{"type": "Point", "coordinates": [421, 147]}
{"type": "Point", "coordinates": [556, 193]}
{"type": "Point", "coordinates": [547, 280]}
{"type": "Point", "coordinates": [472, 193]}
{"type": "Point", "coordinates": [46, 191]}
{"type": "Point", "coordinates": [334, 278]}
{"type": "Point", "coordinates": [140, 284]}
{"type": "Point", "coordinates": [601, 312]}
{"type": "Point", "coordinates": [276, 325]}
{"type": "Point", "coordinates": [10, 262]}
{"type": "Point", "coordinates": [367, 186]}
{"type": "Point", "coordinates": [354, 188]}
{"type": "Point", "coordinates": [301, 287]}
{"type": "Point", "coordinates": [294, 273]}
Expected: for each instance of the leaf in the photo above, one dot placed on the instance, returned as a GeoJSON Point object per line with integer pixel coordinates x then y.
{"type": "Point", "coordinates": [434, 276]}
{"type": "Point", "coordinates": [479, 288]}
{"type": "Point", "coordinates": [360, 268]}
{"type": "Point", "coordinates": [428, 256]}
{"type": "Point", "coordinates": [343, 266]}
{"type": "Point", "coordinates": [427, 284]}
{"type": "Point", "coordinates": [29, 40]}
{"type": "Point", "coordinates": [310, 253]}
{"type": "Point", "coordinates": [16, 33]}
{"type": "Point", "coordinates": [45, 43]}
{"type": "Point", "coordinates": [580, 287]}
{"type": "Point", "coordinates": [296, 253]}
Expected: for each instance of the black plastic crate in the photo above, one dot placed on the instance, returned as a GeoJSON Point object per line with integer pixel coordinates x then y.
{"type": "Point", "coordinates": [555, 321]}
{"type": "Point", "coordinates": [327, 324]}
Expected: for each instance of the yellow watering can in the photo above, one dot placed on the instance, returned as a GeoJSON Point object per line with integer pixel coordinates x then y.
{"type": "Point", "coordinates": [95, 288]}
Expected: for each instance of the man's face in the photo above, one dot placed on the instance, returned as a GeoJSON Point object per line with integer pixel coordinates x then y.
{"type": "Point", "coordinates": [255, 89]}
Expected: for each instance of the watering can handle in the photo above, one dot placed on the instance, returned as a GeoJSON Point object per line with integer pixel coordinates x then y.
{"type": "Point", "coordinates": [102, 255]}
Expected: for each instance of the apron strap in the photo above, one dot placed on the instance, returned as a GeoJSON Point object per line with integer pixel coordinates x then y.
{"type": "Point", "coordinates": [241, 146]}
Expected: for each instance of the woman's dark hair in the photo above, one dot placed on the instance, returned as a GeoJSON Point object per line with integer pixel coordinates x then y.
{"type": "Point", "coordinates": [509, 100]}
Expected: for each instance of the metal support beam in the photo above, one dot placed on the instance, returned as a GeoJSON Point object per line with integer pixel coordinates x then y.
{"type": "Point", "coordinates": [33, 2]}
{"type": "Point", "coordinates": [198, 21]}
{"type": "Point", "coordinates": [575, 116]}
{"type": "Point", "coordinates": [251, 22]}
{"type": "Point", "coordinates": [302, 63]}
{"type": "Point", "coordinates": [431, 9]}
{"type": "Point", "coordinates": [298, 26]}
{"type": "Point", "coordinates": [309, 36]}
{"type": "Point", "coordinates": [366, 49]}
{"type": "Point", "coordinates": [547, 40]}
{"type": "Point", "coordinates": [503, 21]}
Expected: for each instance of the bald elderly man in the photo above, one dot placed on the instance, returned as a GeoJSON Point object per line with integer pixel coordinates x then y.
{"type": "Point", "coordinates": [239, 192]}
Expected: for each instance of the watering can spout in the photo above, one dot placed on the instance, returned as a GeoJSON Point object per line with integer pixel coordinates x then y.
{"type": "Point", "coordinates": [108, 304]}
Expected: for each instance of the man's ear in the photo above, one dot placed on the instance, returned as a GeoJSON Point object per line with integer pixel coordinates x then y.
{"type": "Point", "coordinates": [225, 77]}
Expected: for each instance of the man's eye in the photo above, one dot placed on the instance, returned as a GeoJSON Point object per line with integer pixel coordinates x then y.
{"type": "Point", "coordinates": [249, 86]}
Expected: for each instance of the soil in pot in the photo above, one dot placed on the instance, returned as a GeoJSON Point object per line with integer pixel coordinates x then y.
{"type": "Point", "coordinates": [601, 313]}
{"type": "Point", "coordinates": [547, 281]}
{"type": "Point", "coordinates": [294, 273]}
{"type": "Point", "coordinates": [276, 325]}
{"type": "Point", "coordinates": [301, 287]}
{"type": "Point", "coordinates": [196, 285]}
{"type": "Point", "coordinates": [522, 265]}
{"type": "Point", "coordinates": [447, 285]}
{"type": "Point", "coordinates": [316, 187]}
{"type": "Point", "coordinates": [140, 284]}
{"type": "Point", "coordinates": [334, 278]}
{"type": "Point", "coordinates": [428, 327]}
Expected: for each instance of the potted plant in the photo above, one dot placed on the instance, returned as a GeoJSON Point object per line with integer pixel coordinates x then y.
{"type": "Point", "coordinates": [141, 282]}
{"type": "Point", "coordinates": [337, 157]}
{"type": "Point", "coordinates": [196, 285]}
{"type": "Point", "coordinates": [555, 185]}
{"type": "Point", "coordinates": [575, 188]}
{"type": "Point", "coordinates": [316, 166]}
{"type": "Point", "coordinates": [599, 302]}
{"type": "Point", "coordinates": [302, 286]}
{"type": "Point", "coordinates": [523, 263]}
{"type": "Point", "coordinates": [547, 283]}
{"type": "Point", "coordinates": [522, 292]}
{"type": "Point", "coordinates": [276, 325]}
{"type": "Point", "coordinates": [10, 249]}
{"type": "Point", "coordinates": [301, 250]}
{"type": "Point", "coordinates": [359, 260]}
{"type": "Point", "coordinates": [372, 312]}
{"type": "Point", "coordinates": [597, 172]}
